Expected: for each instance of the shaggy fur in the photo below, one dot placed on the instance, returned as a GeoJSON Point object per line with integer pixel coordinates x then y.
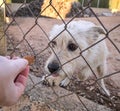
{"type": "Point", "coordinates": [68, 45]}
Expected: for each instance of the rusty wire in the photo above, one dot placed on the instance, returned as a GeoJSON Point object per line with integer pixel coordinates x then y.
{"type": "Point", "coordinates": [37, 54]}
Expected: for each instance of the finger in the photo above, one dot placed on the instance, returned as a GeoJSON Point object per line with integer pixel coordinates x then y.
{"type": "Point", "coordinates": [25, 72]}
{"type": "Point", "coordinates": [8, 57]}
{"type": "Point", "coordinates": [21, 81]}
{"type": "Point", "coordinates": [21, 78]}
{"type": "Point", "coordinates": [19, 89]}
{"type": "Point", "coordinates": [18, 65]}
{"type": "Point", "coordinates": [15, 57]}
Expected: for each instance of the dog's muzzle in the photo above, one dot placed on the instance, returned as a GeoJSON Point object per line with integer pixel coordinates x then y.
{"type": "Point", "coordinates": [53, 67]}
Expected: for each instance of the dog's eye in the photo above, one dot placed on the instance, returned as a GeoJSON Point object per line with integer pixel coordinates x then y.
{"type": "Point", "coordinates": [72, 47]}
{"type": "Point", "coordinates": [53, 43]}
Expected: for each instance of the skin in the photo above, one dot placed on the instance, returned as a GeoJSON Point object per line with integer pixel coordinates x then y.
{"type": "Point", "coordinates": [13, 78]}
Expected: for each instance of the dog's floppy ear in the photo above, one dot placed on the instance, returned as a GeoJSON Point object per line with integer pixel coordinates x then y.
{"type": "Point", "coordinates": [98, 29]}
{"type": "Point", "coordinates": [95, 33]}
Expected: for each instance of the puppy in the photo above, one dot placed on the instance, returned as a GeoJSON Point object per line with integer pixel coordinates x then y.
{"type": "Point", "coordinates": [71, 53]}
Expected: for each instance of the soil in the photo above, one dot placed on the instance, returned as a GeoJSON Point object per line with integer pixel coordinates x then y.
{"type": "Point", "coordinates": [29, 36]}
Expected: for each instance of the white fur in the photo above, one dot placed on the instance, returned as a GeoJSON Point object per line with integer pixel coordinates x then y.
{"type": "Point", "coordinates": [85, 34]}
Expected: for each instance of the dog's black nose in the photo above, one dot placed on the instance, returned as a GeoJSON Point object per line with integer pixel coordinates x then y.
{"type": "Point", "coordinates": [53, 67]}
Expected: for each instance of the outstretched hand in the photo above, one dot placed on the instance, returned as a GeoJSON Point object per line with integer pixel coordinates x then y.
{"type": "Point", "coordinates": [13, 77]}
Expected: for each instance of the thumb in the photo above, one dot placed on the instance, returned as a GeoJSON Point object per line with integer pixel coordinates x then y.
{"type": "Point", "coordinates": [18, 65]}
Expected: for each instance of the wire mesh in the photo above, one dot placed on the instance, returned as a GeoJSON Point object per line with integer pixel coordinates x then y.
{"type": "Point", "coordinates": [33, 40]}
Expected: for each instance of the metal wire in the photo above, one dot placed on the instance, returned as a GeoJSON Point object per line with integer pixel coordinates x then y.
{"type": "Point", "coordinates": [28, 48]}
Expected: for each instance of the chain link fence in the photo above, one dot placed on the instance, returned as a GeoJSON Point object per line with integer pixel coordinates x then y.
{"type": "Point", "coordinates": [29, 36]}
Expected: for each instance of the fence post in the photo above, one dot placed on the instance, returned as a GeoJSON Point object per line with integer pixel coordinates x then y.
{"type": "Point", "coordinates": [98, 3]}
{"type": "Point", "coordinates": [3, 46]}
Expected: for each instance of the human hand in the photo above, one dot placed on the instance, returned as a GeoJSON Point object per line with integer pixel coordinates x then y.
{"type": "Point", "coordinates": [13, 77]}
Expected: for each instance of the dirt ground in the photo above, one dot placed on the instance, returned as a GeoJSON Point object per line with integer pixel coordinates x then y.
{"type": "Point", "coordinates": [37, 39]}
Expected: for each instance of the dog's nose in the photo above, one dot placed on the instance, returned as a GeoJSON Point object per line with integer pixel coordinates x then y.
{"type": "Point", "coordinates": [53, 67]}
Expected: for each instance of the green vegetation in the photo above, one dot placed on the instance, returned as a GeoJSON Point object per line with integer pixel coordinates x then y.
{"type": "Point", "coordinates": [102, 4]}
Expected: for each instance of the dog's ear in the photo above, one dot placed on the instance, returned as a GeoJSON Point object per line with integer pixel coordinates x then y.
{"type": "Point", "coordinates": [98, 29]}
{"type": "Point", "coordinates": [95, 33]}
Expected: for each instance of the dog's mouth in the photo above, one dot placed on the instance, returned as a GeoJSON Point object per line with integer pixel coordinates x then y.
{"type": "Point", "coordinates": [55, 74]}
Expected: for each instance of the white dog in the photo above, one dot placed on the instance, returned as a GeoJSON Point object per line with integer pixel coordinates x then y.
{"type": "Point", "coordinates": [69, 54]}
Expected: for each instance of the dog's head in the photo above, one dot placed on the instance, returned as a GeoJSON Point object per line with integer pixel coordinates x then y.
{"type": "Point", "coordinates": [66, 45]}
